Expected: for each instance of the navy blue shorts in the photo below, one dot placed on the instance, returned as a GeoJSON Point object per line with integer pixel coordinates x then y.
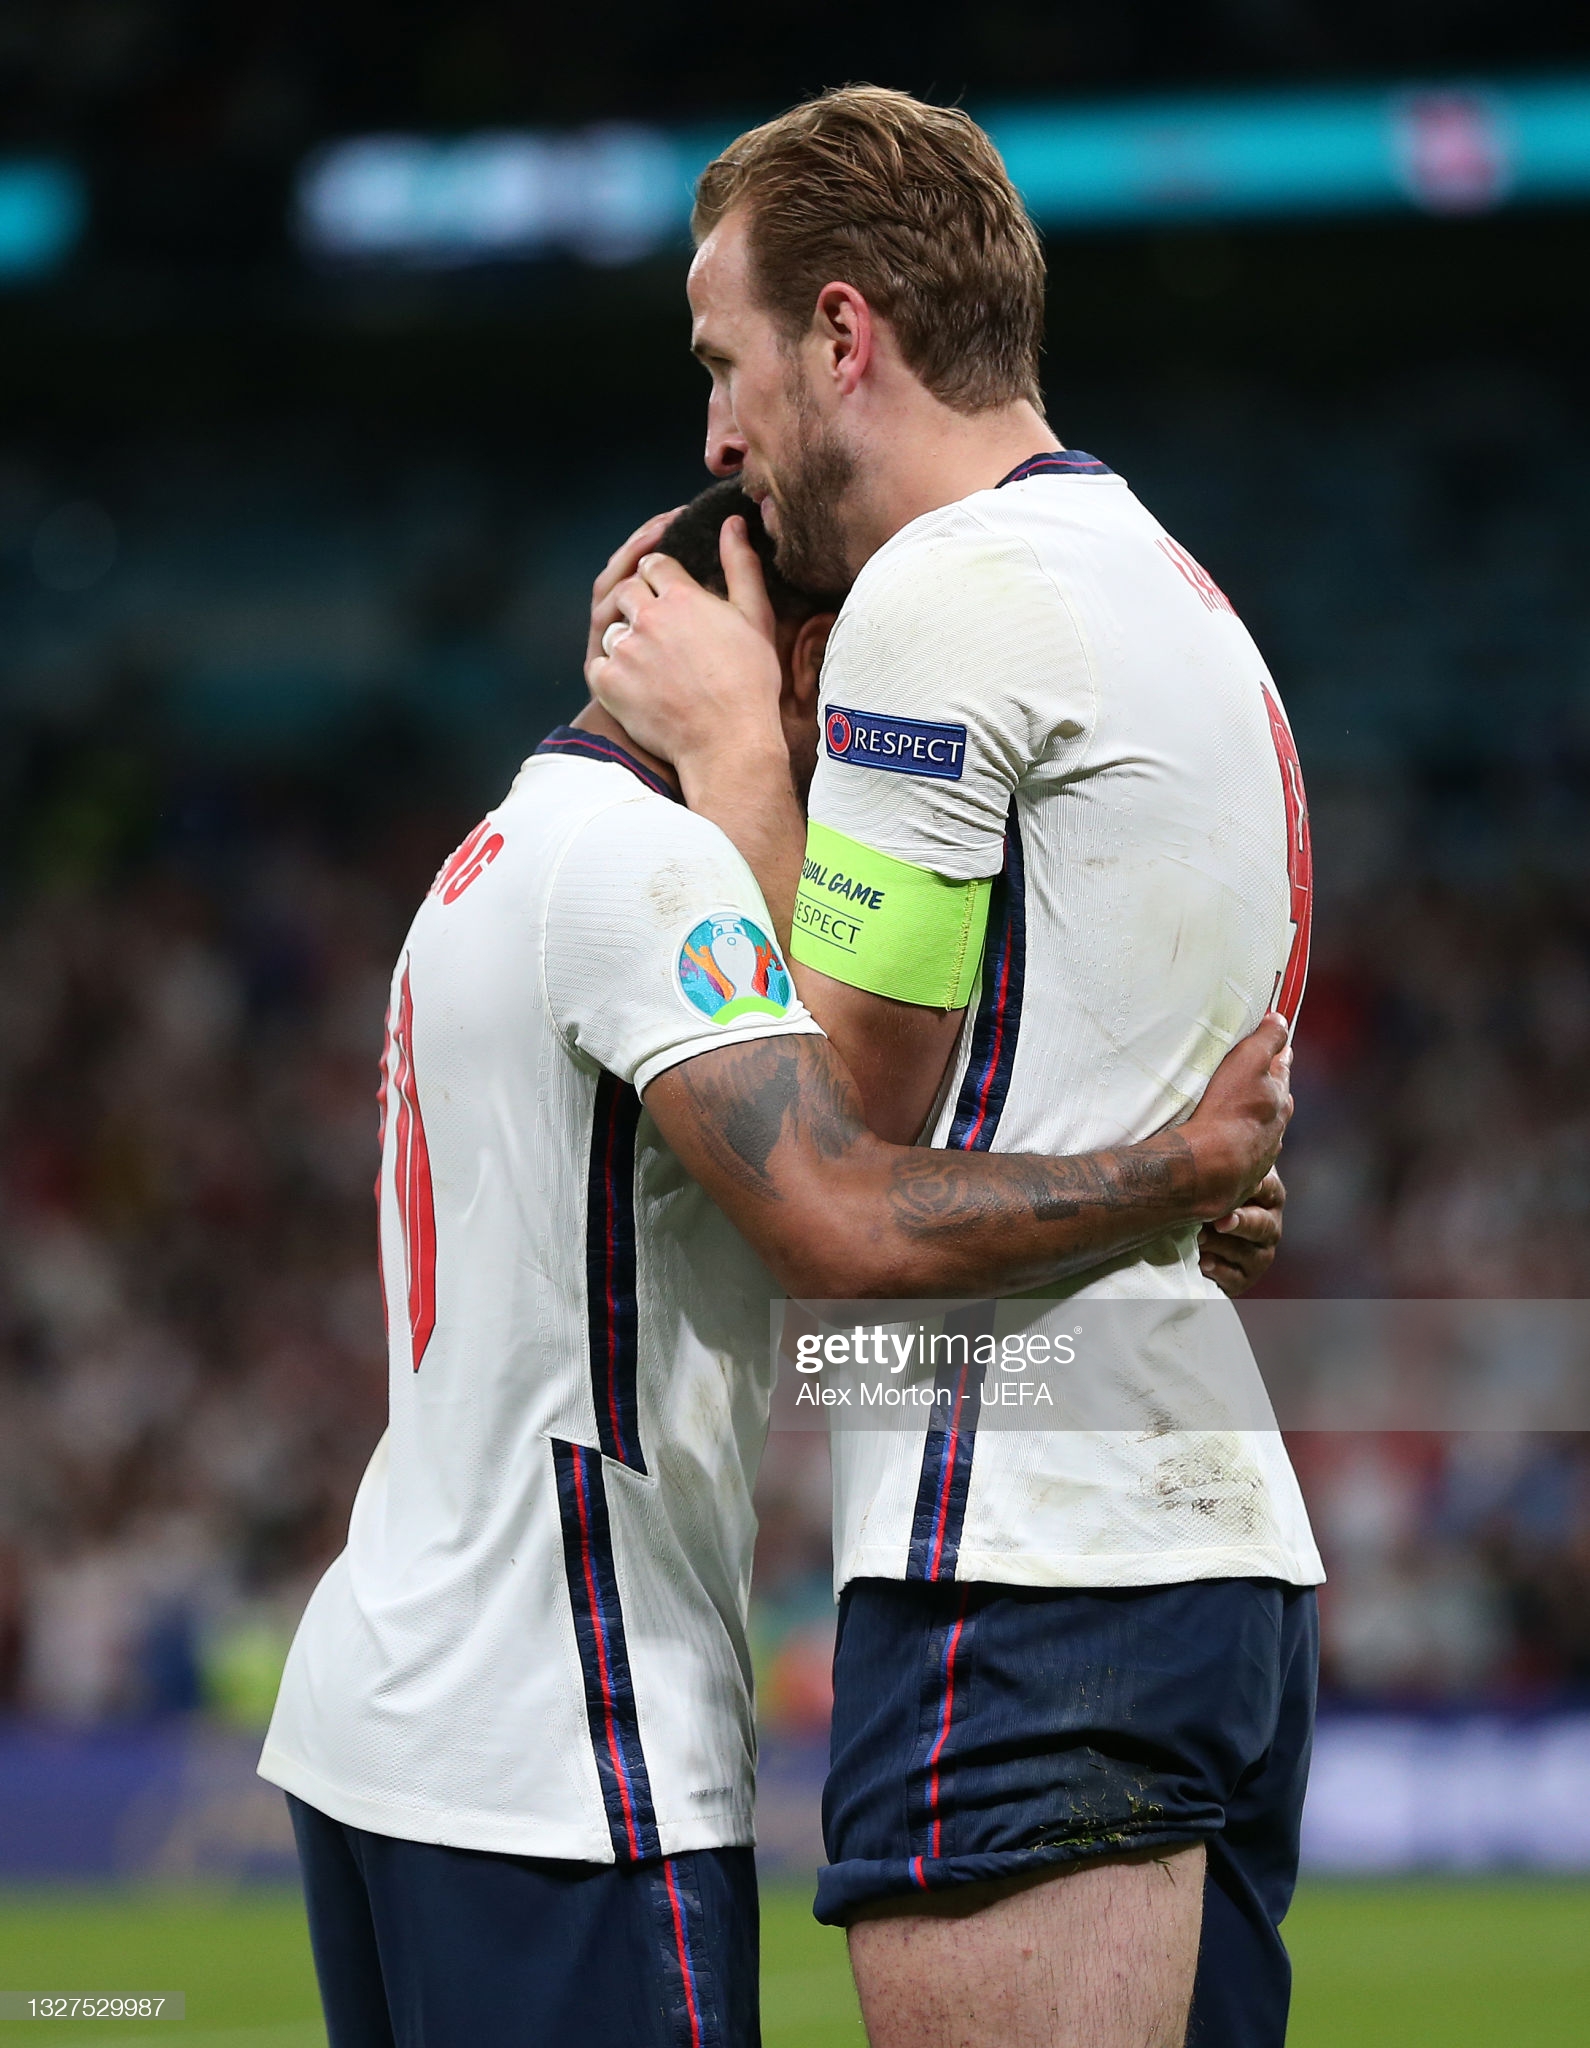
{"type": "Point", "coordinates": [983, 1732]}
{"type": "Point", "coordinates": [418, 1946]}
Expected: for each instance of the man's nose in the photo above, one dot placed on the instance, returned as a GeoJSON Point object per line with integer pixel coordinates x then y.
{"type": "Point", "coordinates": [726, 446]}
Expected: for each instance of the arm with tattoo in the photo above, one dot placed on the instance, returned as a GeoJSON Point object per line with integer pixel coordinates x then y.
{"type": "Point", "coordinates": [773, 1130]}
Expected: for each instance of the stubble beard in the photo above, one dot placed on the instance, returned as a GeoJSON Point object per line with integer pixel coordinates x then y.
{"type": "Point", "coordinates": [809, 548]}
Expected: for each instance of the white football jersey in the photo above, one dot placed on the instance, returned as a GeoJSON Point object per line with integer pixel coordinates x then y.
{"type": "Point", "coordinates": [534, 1641]}
{"type": "Point", "coordinates": [1037, 683]}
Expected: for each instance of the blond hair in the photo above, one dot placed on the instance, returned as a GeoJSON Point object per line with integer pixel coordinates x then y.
{"type": "Point", "coordinates": [913, 206]}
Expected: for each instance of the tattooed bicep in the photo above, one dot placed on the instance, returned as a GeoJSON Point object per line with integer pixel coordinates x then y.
{"type": "Point", "coordinates": [738, 1103]}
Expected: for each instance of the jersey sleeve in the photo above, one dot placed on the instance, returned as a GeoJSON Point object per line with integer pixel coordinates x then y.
{"type": "Point", "coordinates": [659, 945]}
{"type": "Point", "coordinates": [955, 672]}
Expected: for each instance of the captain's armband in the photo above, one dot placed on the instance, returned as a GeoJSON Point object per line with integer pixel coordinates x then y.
{"type": "Point", "coordinates": [881, 924]}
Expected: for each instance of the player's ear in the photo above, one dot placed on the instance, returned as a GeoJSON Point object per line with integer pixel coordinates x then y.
{"type": "Point", "coordinates": [843, 324]}
{"type": "Point", "coordinates": [805, 665]}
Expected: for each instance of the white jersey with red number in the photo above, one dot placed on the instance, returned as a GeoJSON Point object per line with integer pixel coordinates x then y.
{"type": "Point", "coordinates": [1037, 683]}
{"type": "Point", "coordinates": [534, 1641]}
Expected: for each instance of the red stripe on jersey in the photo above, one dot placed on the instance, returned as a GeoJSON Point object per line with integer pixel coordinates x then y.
{"type": "Point", "coordinates": [603, 1662]}
{"type": "Point", "coordinates": [1001, 1001]}
{"type": "Point", "coordinates": [412, 1181]}
{"type": "Point", "coordinates": [952, 1444]}
{"type": "Point", "coordinates": [1288, 995]}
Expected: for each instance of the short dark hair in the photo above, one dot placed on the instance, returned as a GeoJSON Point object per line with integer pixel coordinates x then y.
{"type": "Point", "coordinates": [692, 540]}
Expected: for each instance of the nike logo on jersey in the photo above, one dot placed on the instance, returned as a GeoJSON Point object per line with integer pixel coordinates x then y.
{"type": "Point", "coordinates": [906, 746]}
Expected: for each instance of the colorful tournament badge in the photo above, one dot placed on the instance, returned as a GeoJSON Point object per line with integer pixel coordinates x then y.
{"type": "Point", "coordinates": [729, 969]}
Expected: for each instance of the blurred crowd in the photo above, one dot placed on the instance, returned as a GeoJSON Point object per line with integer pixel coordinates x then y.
{"type": "Point", "coordinates": [252, 698]}
{"type": "Point", "coordinates": [194, 1371]}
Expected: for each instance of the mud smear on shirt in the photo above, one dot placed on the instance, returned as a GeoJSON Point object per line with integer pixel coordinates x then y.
{"type": "Point", "coordinates": [1213, 1477]}
{"type": "Point", "coordinates": [674, 891]}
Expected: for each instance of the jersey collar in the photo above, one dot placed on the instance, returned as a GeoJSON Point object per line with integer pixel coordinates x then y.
{"type": "Point", "coordinates": [592, 746]}
{"type": "Point", "coordinates": [1056, 462]}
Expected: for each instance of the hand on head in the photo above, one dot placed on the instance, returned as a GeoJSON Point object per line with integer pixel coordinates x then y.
{"type": "Point", "coordinates": [688, 674]}
{"type": "Point", "coordinates": [621, 565]}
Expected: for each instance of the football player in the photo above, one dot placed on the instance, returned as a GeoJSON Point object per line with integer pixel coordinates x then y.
{"type": "Point", "coordinates": [1075, 1670]}
{"type": "Point", "coordinates": [516, 1724]}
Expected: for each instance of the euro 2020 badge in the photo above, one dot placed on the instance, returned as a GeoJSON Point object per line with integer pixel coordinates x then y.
{"type": "Point", "coordinates": [729, 969]}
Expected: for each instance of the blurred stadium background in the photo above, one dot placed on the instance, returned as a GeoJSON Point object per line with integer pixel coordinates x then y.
{"type": "Point", "coordinates": [338, 346]}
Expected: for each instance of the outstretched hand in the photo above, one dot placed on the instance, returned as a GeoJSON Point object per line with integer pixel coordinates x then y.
{"type": "Point", "coordinates": [692, 676]}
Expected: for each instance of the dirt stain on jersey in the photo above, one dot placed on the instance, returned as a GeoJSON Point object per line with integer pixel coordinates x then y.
{"type": "Point", "coordinates": [675, 893]}
{"type": "Point", "coordinates": [1213, 1477]}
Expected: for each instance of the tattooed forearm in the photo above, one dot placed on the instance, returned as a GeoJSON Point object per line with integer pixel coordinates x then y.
{"type": "Point", "coordinates": [740, 1098]}
{"type": "Point", "coordinates": [748, 1098]}
{"type": "Point", "coordinates": [773, 1129]}
{"type": "Point", "coordinates": [830, 1108]}
{"type": "Point", "coordinates": [940, 1193]}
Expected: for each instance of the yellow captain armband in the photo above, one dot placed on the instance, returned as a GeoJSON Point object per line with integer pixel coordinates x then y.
{"type": "Point", "coordinates": [881, 924]}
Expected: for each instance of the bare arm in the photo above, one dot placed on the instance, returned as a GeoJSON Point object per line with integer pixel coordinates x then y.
{"type": "Point", "coordinates": [897, 1052]}
{"type": "Point", "coordinates": [773, 1130]}
{"type": "Point", "coordinates": [753, 803]}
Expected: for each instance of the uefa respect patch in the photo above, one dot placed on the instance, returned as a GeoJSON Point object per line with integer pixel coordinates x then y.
{"type": "Point", "coordinates": [903, 746]}
{"type": "Point", "coordinates": [730, 968]}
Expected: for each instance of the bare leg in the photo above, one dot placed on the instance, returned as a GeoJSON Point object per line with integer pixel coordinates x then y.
{"type": "Point", "coordinates": [1100, 1956]}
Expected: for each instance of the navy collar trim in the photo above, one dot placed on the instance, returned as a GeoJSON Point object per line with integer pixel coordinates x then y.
{"type": "Point", "coordinates": [1056, 462]}
{"type": "Point", "coordinates": [591, 746]}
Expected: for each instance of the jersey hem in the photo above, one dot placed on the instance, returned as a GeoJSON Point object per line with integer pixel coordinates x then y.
{"type": "Point", "coordinates": [498, 1834]}
{"type": "Point", "coordinates": [1084, 1570]}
